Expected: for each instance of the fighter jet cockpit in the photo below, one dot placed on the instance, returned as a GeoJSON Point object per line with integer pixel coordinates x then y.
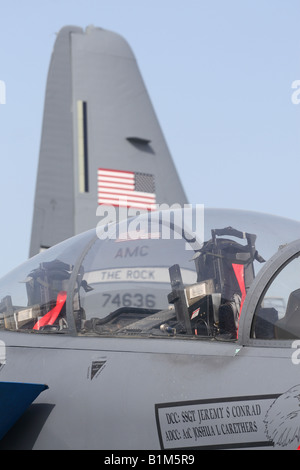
{"type": "Point", "coordinates": [156, 275]}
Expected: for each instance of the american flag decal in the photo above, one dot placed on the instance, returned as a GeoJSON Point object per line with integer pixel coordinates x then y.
{"type": "Point", "coordinates": [126, 189]}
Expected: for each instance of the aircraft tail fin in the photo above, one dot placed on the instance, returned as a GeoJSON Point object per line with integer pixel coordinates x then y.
{"type": "Point", "coordinates": [101, 142]}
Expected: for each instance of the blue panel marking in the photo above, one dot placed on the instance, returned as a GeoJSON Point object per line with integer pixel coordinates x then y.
{"type": "Point", "coordinates": [14, 400]}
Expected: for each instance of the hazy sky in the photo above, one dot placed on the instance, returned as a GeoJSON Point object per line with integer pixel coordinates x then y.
{"type": "Point", "coordinates": [219, 74]}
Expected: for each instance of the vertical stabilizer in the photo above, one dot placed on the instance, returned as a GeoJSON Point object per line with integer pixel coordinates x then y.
{"type": "Point", "coordinates": [101, 141]}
